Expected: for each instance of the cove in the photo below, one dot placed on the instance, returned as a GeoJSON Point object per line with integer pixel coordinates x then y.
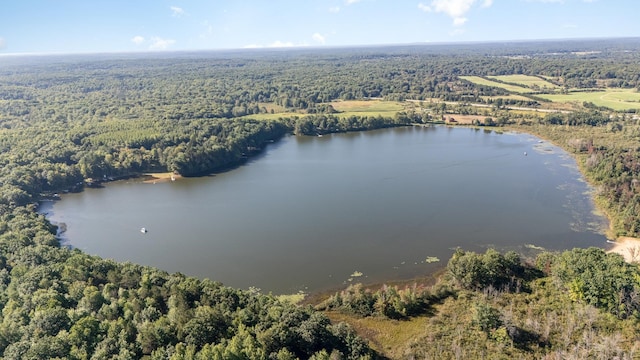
{"type": "Point", "coordinates": [312, 213]}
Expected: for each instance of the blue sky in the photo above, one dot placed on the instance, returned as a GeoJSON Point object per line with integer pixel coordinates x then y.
{"type": "Point", "coordinates": [85, 26]}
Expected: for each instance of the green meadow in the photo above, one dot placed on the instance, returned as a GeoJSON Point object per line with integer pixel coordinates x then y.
{"type": "Point", "coordinates": [345, 109]}
{"type": "Point", "coordinates": [623, 99]}
{"type": "Point", "coordinates": [482, 81]}
{"type": "Point", "coordinates": [507, 97]}
{"type": "Point", "coordinates": [525, 80]}
{"type": "Point", "coordinates": [616, 99]}
{"type": "Point", "coordinates": [367, 107]}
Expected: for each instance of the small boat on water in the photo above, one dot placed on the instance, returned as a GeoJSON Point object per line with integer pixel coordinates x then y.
{"type": "Point", "coordinates": [143, 230]}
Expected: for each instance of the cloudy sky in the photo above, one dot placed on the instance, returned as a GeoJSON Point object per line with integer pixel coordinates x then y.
{"type": "Point", "coordinates": [81, 26]}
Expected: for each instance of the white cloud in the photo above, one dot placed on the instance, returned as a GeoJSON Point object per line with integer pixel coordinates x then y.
{"type": "Point", "coordinates": [453, 8]}
{"type": "Point", "coordinates": [456, 9]}
{"type": "Point", "coordinates": [159, 43]}
{"type": "Point", "coordinates": [253, 46]}
{"type": "Point", "coordinates": [177, 11]}
{"type": "Point", "coordinates": [424, 7]}
{"type": "Point", "coordinates": [317, 37]}
{"type": "Point", "coordinates": [280, 44]}
{"type": "Point", "coordinates": [349, 2]}
{"type": "Point", "coordinates": [334, 9]}
{"type": "Point", "coordinates": [459, 21]}
{"type": "Point", "coordinates": [137, 39]}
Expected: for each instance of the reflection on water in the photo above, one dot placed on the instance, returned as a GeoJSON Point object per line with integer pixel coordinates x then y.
{"type": "Point", "coordinates": [311, 212]}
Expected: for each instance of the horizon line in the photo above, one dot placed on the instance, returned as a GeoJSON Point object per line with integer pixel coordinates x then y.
{"type": "Point", "coordinates": [316, 47]}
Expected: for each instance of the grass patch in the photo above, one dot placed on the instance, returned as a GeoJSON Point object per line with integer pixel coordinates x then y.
{"type": "Point", "coordinates": [507, 97]}
{"type": "Point", "coordinates": [525, 80]}
{"type": "Point", "coordinates": [616, 99]}
{"type": "Point", "coordinates": [482, 81]}
{"type": "Point", "coordinates": [367, 106]}
{"type": "Point", "coordinates": [370, 108]}
{"type": "Point", "coordinates": [292, 298]}
{"type": "Point", "coordinates": [387, 337]}
{"type": "Point", "coordinates": [528, 113]}
{"type": "Point", "coordinates": [345, 109]}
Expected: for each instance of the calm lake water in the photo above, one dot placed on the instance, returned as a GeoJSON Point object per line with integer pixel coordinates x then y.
{"type": "Point", "coordinates": [311, 211]}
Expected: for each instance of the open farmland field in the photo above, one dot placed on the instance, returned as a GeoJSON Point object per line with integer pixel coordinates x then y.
{"type": "Point", "coordinates": [525, 80]}
{"type": "Point", "coordinates": [367, 107]}
{"type": "Point", "coordinates": [614, 99]}
{"type": "Point", "coordinates": [482, 81]}
{"type": "Point", "coordinates": [345, 109]}
{"type": "Point", "coordinates": [507, 97]}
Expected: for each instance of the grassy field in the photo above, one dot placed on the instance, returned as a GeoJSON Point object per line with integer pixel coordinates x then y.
{"type": "Point", "coordinates": [614, 99]}
{"type": "Point", "coordinates": [525, 80]}
{"type": "Point", "coordinates": [481, 81]}
{"type": "Point", "coordinates": [346, 109]}
{"type": "Point", "coordinates": [530, 113]}
{"type": "Point", "coordinates": [368, 107]}
{"type": "Point", "coordinates": [388, 337]}
{"type": "Point", "coordinates": [507, 97]}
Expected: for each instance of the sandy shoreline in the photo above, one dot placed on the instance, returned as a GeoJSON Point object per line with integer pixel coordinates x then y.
{"type": "Point", "coordinates": [152, 178]}
{"type": "Point", "coordinates": [628, 247]}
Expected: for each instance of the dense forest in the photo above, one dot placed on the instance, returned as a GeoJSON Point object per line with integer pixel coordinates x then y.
{"type": "Point", "coordinates": [69, 121]}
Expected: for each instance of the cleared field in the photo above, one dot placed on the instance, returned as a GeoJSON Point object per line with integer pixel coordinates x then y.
{"type": "Point", "coordinates": [525, 80]}
{"type": "Point", "coordinates": [481, 81]}
{"type": "Point", "coordinates": [378, 106]}
{"type": "Point", "coordinates": [539, 114]}
{"type": "Point", "coordinates": [389, 337]}
{"type": "Point", "coordinates": [346, 109]}
{"type": "Point", "coordinates": [614, 99]}
{"type": "Point", "coordinates": [507, 97]}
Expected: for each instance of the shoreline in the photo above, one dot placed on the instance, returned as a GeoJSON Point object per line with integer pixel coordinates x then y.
{"type": "Point", "coordinates": [153, 178]}
{"type": "Point", "coordinates": [627, 247]}
{"type": "Point", "coordinates": [608, 232]}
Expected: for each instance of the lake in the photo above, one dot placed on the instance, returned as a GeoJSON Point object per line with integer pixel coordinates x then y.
{"type": "Point", "coordinates": [309, 213]}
